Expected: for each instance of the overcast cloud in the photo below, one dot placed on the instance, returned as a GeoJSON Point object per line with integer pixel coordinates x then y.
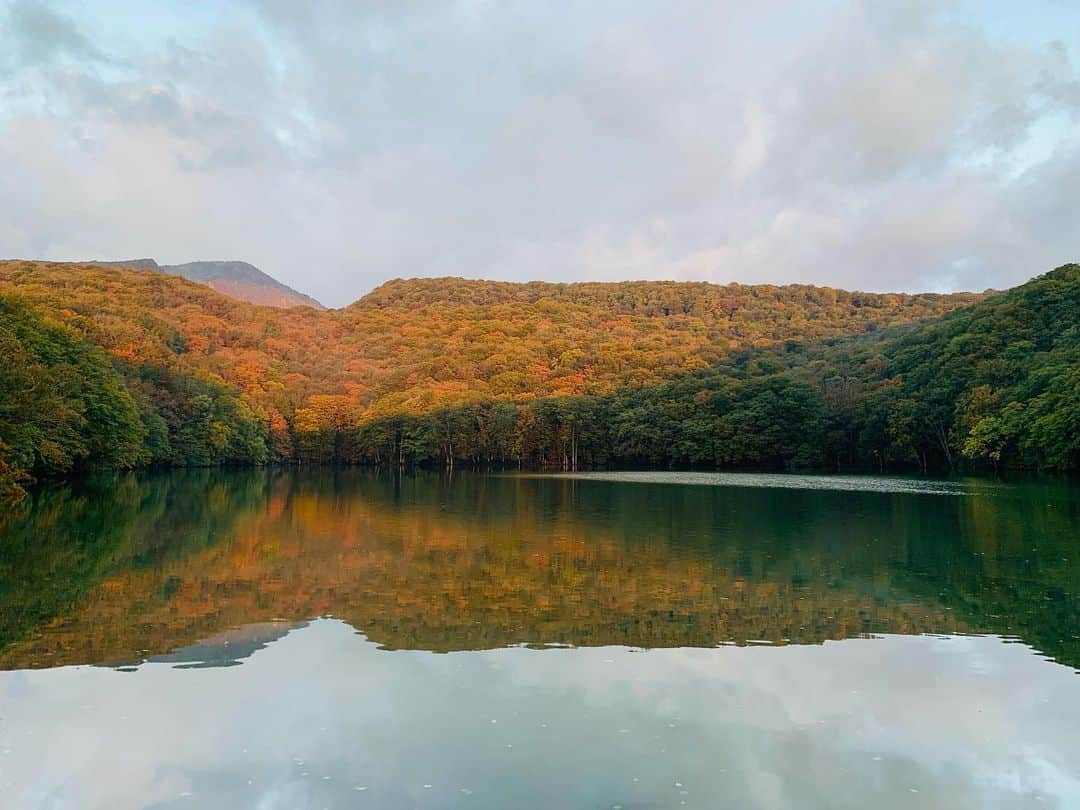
{"type": "Point", "coordinates": [883, 146]}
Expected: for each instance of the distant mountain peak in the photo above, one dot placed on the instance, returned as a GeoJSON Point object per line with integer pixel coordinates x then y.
{"type": "Point", "coordinates": [236, 279]}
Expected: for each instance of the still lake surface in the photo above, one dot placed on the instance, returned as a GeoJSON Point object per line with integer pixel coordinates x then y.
{"type": "Point", "coordinates": [345, 639]}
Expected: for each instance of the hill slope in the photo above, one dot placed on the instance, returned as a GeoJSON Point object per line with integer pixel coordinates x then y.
{"type": "Point", "coordinates": [240, 280]}
{"type": "Point", "coordinates": [386, 355]}
{"type": "Point", "coordinates": [638, 372]}
{"type": "Point", "coordinates": [995, 383]}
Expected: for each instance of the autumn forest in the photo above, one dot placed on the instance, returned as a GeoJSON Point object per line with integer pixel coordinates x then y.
{"type": "Point", "coordinates": [120, 368]}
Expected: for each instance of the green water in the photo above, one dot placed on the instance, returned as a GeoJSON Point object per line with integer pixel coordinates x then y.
{"type": "Point", "coordinates": [344, 639]}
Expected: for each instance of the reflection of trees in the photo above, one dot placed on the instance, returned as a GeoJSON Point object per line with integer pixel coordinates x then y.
{"type": "Point", "coordinates": [422, 562]}
{"type": "Point", "coordinates": [66, 541]}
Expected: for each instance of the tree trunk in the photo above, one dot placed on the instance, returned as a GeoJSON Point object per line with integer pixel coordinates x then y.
{"type": "Point", "coordinates": [943, 440]}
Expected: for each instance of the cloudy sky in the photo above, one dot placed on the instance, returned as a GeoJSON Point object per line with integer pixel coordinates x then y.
{"type": "Point", "coordinates": [877, 145]}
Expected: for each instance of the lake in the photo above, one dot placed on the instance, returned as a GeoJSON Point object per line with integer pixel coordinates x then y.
{"type": "Point", "coordinates": [345, 639]}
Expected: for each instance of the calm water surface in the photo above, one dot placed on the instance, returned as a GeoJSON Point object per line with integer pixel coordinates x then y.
{"type": "Point", "coordinates": [270, 639]}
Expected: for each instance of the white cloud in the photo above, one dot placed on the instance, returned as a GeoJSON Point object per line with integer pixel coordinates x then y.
{"type": "Point", "coordinates": [885, 146]}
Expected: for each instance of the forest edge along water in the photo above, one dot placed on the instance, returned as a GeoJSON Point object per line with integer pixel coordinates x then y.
{"type": "Point", "coordinates": [140, 369]}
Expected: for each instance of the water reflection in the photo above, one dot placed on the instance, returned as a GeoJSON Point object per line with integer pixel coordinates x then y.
{"type": "Point", "coordinates": [885, 659]}
{"type": "Point", "coordinates": [322, 718]}
{"type": "Point", "coordinates": [137, 567]}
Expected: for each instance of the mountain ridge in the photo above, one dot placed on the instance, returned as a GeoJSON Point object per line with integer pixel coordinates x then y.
{"type": "Point", "coordinates": [534, 288]}
{"type": "Point", "coordinates": [237, 279]}
{"type": "Point", "coordinates": [634, 296]}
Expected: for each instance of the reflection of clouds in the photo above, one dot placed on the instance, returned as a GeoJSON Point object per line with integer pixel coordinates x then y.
{"type": "Point", "coordinates": [967, 722]}
{"type": "Point", "coordinates": [953, 695]}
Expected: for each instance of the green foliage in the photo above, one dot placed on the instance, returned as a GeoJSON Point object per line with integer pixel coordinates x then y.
{"type": "Point", "coordinates": [194, 422]}
{"type": "Point", "coordinates": [11, 481]}
{"type": "Point", "coordinates": [66, 405]}
{"type": "Point", "coordinates": [62, 402]}
{"type": "Point", "coordinates": [998, 382]}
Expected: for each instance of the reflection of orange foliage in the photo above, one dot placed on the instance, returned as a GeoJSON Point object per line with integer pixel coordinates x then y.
{"type": "Point", "coordinates": [413, 576]}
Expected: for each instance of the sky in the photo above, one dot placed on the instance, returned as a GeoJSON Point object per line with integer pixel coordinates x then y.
{"type": "Point", "coordinates": [872, 145]}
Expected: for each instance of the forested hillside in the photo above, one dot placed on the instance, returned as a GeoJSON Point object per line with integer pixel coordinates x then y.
{"type": "Point", "coordinates": [435, 370]}
{"type": "Point", "coordinates": [65, 404]}
{"type": "Point", "coordinates": [993, 384]}
{"type": "Point", "coordinates": [61, 400]}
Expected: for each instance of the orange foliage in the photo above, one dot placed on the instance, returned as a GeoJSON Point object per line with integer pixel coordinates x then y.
{"type": "Point", "coordinates": [429, 343]}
